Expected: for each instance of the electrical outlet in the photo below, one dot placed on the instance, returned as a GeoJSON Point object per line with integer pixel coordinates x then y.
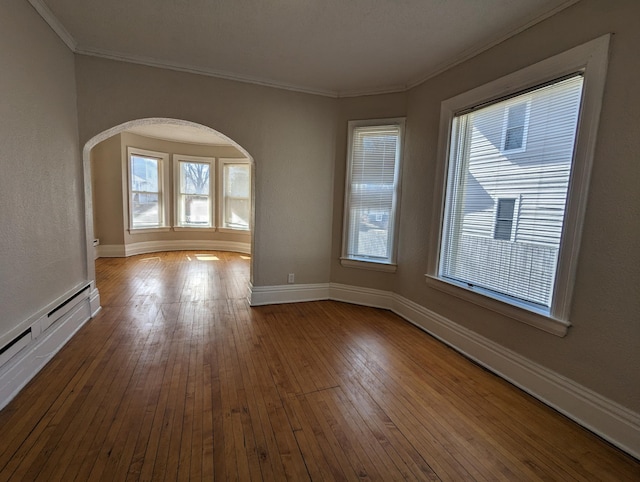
{"type": "Point", "coordinates": [291, 278]}
{"type": "Point", "coordinates": [96, 242]}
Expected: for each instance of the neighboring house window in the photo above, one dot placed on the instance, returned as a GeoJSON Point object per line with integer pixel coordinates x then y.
{"type": "Point", "coordinates": [147, 172]}
{"type": "Point", "coordinates": [373, 171]}
{"type": "Point", "coordinates": [516, 124]}
{"type": "Point", "coordinates": [505, 211]}
{"type": "Point", "coordinates": [235, 212]}
{"type": "Point", "coordinates": [542, 190]}
{"type": "Point", "coordinates": [194, 191]}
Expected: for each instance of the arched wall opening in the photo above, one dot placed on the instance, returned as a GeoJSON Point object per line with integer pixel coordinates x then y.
{"type": "Point", "coordinates": [144, 123]}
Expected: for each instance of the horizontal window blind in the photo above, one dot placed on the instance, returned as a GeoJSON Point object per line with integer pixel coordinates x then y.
{"type": "Point", "coordinates": [237, 195]}
{"type": "Point", "coordinates": [519, 148]}
{"type": "Point", "coordinates": [373, 182]}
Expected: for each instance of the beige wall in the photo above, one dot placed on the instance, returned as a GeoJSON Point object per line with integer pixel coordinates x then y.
{"type": "Point", "coordinates": [106, 184]}
{"type": "Point", "coordinates": [355, 108]}
{"type": "Point", "coordinates": [42, 252]}
{"type": "Point", "coordinates": [109, 196]}
{"type": "Point", "coordinates": [289, 135]}
{"type": "Point", "coordinates": [298, 142]}
{"type": "Point", "coordinates": [601, 350]}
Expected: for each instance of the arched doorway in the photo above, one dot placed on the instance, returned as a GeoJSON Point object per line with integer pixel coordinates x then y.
{"type": "Point", "coordinates": [183, 131]}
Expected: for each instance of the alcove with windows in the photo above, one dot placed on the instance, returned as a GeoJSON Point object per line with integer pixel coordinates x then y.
{"type": "Point", "coordinates": [166, 187]}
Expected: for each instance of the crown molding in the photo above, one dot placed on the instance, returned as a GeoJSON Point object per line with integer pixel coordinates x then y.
{"type": "Point", "coordinates": [71, 42]}
{"type": "Point", "coordinates": [48, 16]}
{"type": "Point", "coordinates": [192, 69]}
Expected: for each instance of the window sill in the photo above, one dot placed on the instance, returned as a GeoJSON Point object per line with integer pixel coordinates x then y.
{"type": "Point", "coordinates": [536, 319]}
{"type": "Point", "coordinates": [162, 229]}
{"type": "Point", "coordinates": [368, 264]}
{"type": "Point", "coordinates": [234, 231]}
{"type": "Point", "coordinates": [194, 228]}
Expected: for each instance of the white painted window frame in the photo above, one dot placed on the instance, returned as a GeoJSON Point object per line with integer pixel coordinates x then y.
{"type": "Point", "coordinates": [591, 59]}
{"type": "Point", "coordinates": [222, 162]}
{"type": "Point", "coordinates": [390, 264]}
{"type": "Point", "coordinates": [163, 185]}
{"type": "Point", "coordinates": [178, 224]}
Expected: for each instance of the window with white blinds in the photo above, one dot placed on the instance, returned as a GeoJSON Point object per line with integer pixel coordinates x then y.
{"type": "Point", "coordinates": [486, 243]}
{"type": "Point", "coordinates": [514, 160]}
{"type": "Point", "coordinates": [236, 194]}
{"type": "Point", "coordinates": [372, 190]}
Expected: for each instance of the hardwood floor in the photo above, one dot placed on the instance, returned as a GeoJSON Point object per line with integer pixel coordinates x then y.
{"type": "Point", "coordinates": [177, 378]}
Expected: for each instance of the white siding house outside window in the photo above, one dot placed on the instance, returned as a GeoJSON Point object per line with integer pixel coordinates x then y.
{"type": "Point", "coordinates": [515, 158]}
{"type": "Point", "coordinates": [372, 193]}
{"type": "Point", "coordinates": [484, 182]}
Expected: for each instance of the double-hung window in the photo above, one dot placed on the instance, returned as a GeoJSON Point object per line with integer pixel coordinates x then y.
{"type": "Point", "coordinates": [371, 197]}
{"type": "Point", "coordinates": [194, 183]}
{"type": "Point", "coordinates": [515, 157]}
{"type": "Point", "coordinates": [235, 212]}
{"type": "Point", "coordinates": [148, 197]}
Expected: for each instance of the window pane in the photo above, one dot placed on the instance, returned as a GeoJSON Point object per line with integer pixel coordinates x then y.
{"type": "Point", "coordinates": [514, 138]}
{"type": "Point", "coordinates": [145, 210]}
{"type": "Point", "coordinates": [195, 210]}
{"type": "Point", "coordinates": [517, 114]}
{"type": "Point", "coordinates": [194, 201]}
{"type": "Point", "coordinates": [487, 242]}
{"type": "Point", "coordinates": [195, 178]}
{"type": "Point", "coordinates": [236, 213]}
{"type": "Point", "coordinates": [237, 180]}
{"type": "Point", "coordinates": [373, 163]}
{"type": "Point", "coordinates": [237, 196]}
{"type": "Point", "coordinates": [144, 174]}
{"type": "Point", "coordinates": [504, 219]}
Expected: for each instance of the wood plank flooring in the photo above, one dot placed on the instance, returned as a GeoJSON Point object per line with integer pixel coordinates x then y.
{"type": "Point", "coordinates": [177, 378]}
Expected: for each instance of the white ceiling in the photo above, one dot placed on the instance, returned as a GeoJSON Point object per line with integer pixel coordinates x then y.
{"type": "Point", "coordinates": [329, 47]}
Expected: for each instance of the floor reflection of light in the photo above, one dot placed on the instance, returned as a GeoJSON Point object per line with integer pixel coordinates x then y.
{"type": "Point", "coordinates": [150, 259]}
{"type": "Point", "coordinates": [245, 257]}
{"type": "Point", "coordinates": [207, 257]}
{"type": "Point", "coordinates": [189, 257]}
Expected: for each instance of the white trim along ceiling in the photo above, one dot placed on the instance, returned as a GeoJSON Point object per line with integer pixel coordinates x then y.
{"type": "Point", "coordinates": [330, 47]}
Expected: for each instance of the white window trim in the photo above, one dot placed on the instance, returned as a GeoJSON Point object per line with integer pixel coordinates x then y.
{"type": "Point", "coordinates": [163, 182]}
{"type": "Point", "coordinates": [176, 192]}
{"type": "Point", "coordinates": [525, 133]}
{"type": "Point", "coordinates": [221, 163]}
{"type": "Point", "coordinates": [590, 58]}
{"type": "Point", "coordinates": [361, 262]}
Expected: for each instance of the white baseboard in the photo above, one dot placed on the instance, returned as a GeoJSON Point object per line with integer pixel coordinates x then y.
{"type": "Point", "coordinates": [144, 247]}
{"type": "Point", "coordinates": [94, 302]}
{"type": "Point", "coordinates": [608, 419]}
{"type": "Point", "coordinates": [272, 295]}
{"type": "Point", "coordinates": [46, 337]}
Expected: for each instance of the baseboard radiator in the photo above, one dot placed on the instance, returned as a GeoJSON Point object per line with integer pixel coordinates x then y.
{"type": "Point", "coordinates": [25, 354]}
{"type": "Point", "coordinates": [67, 305]}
